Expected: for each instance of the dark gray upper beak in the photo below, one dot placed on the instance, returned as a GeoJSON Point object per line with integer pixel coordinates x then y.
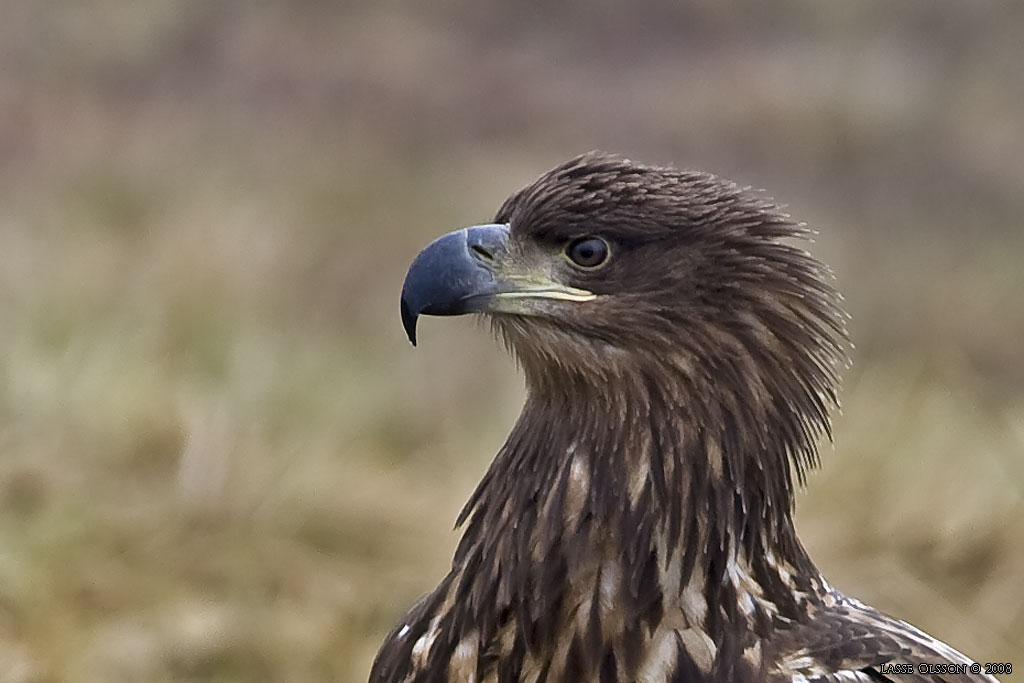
{"type": "Point", "coordinates": [453, 274]}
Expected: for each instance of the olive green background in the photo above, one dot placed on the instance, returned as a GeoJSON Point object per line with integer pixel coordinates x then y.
{"type": "Point", "coordinates": [220, 459]}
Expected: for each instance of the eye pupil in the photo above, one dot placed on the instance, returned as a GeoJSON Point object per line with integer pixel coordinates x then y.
{"type": "Point", "coordinates": [588, 252]}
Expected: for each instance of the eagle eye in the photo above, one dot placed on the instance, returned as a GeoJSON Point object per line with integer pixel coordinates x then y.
{"type": "Point", "coordinates": [587, 252]}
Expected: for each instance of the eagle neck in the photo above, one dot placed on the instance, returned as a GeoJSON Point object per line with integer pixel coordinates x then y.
{"type": "Point", "coordinates": [648, 493]}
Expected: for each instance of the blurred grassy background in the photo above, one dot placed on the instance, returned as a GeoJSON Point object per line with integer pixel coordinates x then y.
{"type": "Point", "coordinates": [221, 460]}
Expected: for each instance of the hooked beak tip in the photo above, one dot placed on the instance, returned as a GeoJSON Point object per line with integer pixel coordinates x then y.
{"type": "Point", "coordinates": [409, 322]}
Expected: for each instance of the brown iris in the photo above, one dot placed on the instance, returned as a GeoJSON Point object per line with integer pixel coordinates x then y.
{"type": "Point", "coordinates": [587, 252]}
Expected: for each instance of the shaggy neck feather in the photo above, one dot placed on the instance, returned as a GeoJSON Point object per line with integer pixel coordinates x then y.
{"type": "Point", "coordinates": [636, 499]}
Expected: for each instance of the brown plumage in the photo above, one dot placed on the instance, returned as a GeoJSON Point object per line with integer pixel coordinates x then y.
{"type": "Point", "coordinates": [681, 359]}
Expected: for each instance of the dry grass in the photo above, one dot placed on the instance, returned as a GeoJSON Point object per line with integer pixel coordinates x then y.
{"type": "Point", "coordinates": [220, 459]}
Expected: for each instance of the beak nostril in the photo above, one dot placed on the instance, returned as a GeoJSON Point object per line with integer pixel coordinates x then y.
{"type": "Point", "coordinates": [480, 251]}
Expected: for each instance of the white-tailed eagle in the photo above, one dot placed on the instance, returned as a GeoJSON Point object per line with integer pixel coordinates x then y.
{"type": "Point", "coordinates": [681, 357]}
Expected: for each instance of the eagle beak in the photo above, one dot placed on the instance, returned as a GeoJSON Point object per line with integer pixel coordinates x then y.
{"type": "Point", "coordinates": [454, 274]}
{"type": "Point", "coordinates": [470, 271]}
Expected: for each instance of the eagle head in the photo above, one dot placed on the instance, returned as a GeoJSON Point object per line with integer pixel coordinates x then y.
{"type": "Point", "coordinates": [604, 269]}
